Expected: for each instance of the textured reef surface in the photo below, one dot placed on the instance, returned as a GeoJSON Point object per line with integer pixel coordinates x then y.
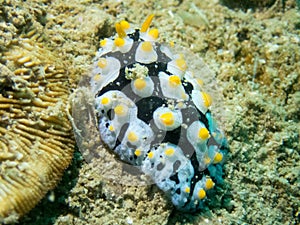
{"type": "Point", "coordinates": [36, 141]}
{"type": "Point", "coordinates": [254, 55]}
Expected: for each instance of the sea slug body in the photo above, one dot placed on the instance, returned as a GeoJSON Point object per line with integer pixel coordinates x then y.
{"type": "Point", "coordinates": [153, 113]}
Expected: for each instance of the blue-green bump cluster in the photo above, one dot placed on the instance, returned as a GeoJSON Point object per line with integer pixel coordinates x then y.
{"type": "Point", "coordinates": [153, 113]}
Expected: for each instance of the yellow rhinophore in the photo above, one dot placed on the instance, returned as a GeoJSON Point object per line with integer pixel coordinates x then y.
{"type": "Point", "coordinates": [147, 23]}
{"type": "Point", "coordinates": [124, 25]}
{"type": "Point", "coordinates": [120, 30]}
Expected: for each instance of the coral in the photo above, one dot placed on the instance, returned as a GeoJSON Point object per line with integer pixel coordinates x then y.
{"type": "Point", "coordinates": [35, 134]}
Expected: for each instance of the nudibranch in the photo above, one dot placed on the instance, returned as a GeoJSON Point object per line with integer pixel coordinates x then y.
{"type": "Point", "coordinates": [152, 111]}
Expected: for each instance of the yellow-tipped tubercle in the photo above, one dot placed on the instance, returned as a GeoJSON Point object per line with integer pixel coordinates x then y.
{"type": "Point", "coordinates": [132, 137]}
{"type": "Point", "coordinates": [111, 128]}
{"type": "Point", "coordinates": [120, 110]}
{"type": "Point", "coordinates": [151, 155]}
{"type": "Point", "coordinates": [181, 64]}
{"type": "Point", "coordinates": [218, 157]}
{"type": "Point", "coordinates": [174, 80]}
{"type": "Point", "coordinates": [169, 151]}
{"type": "Point", "coordinates": [167, 118]}
{"type": "Point", "coordinates": [154, 33]}
{"type": "Point", "coordinates": [187, 190]}
{"type": "Point", "coordinates": [209, 184]}
{"type": "Point", "coordinates": [103, 42]}
{"type": "Point", "coordinates": [147, 46]}
{"type": "Point", "coordinates": [206, 99]}
{"type": "Point", "coordinates": [119, 42]}
{"type": "Point", "coordinates": [137, 152]}
{"type": "Point", "coordinates": [140, 83]}
{"type": "Point", "coordinates": [201, 194]}
{"type": "Point", "coordinates": [203, 133]}
{"type": "Point", "coordinates": [105, 101]}
{"type": "Point", "coordinates": [102, 63]}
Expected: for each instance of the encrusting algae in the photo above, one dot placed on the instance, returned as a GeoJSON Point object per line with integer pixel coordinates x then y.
{"type": "Point", "coordinates": [36, 143]}
{"type": "Point", "coordinates": [256, 56]}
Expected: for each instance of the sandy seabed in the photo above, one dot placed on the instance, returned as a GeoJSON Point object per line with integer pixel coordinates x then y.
{"type": "Point", "coordinates": [255, 56]}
